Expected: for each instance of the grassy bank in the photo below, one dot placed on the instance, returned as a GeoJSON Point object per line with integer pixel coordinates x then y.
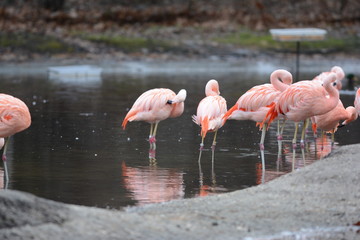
{"type": "Point", "coordinates": [160, 39]}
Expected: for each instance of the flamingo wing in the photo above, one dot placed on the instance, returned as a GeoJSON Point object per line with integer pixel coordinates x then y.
{"type": "Point", "coordinates": [254, 104]}
{"type": "Point", "coordinates": [257, 97]}
{"type": "Point", "coordinates": [210, 113]}
{"type": "Point", "coordinates": [303, 100]}
{"type": "Point", "coordinates": [152, 106]}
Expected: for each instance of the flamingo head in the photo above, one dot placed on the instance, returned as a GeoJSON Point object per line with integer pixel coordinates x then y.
{"type": "Point", "coordinates": [212, 88]}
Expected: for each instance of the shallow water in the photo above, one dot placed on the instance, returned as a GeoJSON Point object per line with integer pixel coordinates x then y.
{"type": "Point", "coordinates": [76, 152]}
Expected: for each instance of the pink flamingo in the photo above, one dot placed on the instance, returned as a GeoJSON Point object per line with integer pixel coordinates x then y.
{"type": "Point", "coordinates": [339, 72]}
{"type": "Point", "coordinates": [320, 79]}
{"type": "Point", "coordinates": [210, 113]}
{"type": "Point", "coordinates": [303, 100]}
{"type": "Point", "coordinates": [153, 106]}
{"type": "Point", "coordinates": [256, 102]}
{"type": "Point", "coordinates": [357, 101]}
{"type": "Point", "coordinates": [329, 122]}
{"type": "Point", "coordinates": [14, 117]}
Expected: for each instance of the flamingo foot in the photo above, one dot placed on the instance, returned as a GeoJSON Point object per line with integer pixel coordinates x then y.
{"type": "Point", "coordinates": [201, 146]}
{"type": "Point", "coordinates": [152, 139]}
{"type": "Point", "coordinates": [302, 144]}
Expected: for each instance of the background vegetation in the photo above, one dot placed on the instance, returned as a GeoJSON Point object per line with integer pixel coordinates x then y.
{"type": "Point", "coordinates": [191, 28]}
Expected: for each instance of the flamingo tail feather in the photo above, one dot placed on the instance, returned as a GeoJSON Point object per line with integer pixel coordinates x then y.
{"type": "Point", "coordinates": [129, 117]}
{"type": "Point", "coordinates": [204, 126]}
{"type": "Point", "coordinates": [270, 116]}
{"type": "Point", "coordinates": [229, 112]}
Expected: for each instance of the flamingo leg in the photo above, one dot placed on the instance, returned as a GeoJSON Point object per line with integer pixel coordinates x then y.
{"type": "Point", "coordinates": [305, 126]}
{"type": "Point", "coordinates": [302, 140]}
{"type": "Point", "coordinates": [152, 141]}
{"type": "Point", "coordinates": [151, 130]}
{"type": "Point", "coordinates": [4, 158]}
{"type": "Point", "coordinates": [201, 148]}
{"type": "Point", "coordinates": [280, 138]}
{"type": "Point", "coordinates": [262, 140]}
{"type": "Point", "coordinates": [294, 144]}
{"type": "Point", "coordinates": [214, 141]}
{"type": "Point", "coordinates": [213, 154]}
{"type": "Point", "coordinates": [151, 134]}
{"type": "Point", "coordinates": [154, 136]}
{"type": "Point", "coordinates": [262, 147]}
{"type": "Point", "coordinates": [332, 138]}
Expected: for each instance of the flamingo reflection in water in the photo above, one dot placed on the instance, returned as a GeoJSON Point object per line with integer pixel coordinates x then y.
{"type": "Point", "coordinates": [153, 106]}
{"type": "Point", "coordinates": [213, 187]}
{"type": "Point", "coordinates": [151, 184]}
{"type": "Point", "coordinates": [268, 175]}
{"type": "Point", "coordinates": [322, 146]}
{"type": "Point", "coordinates": [2, 182]}
{"type": "Point", "coordinates": [317, 149]}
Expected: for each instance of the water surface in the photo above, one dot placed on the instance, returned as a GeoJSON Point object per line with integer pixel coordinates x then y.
{"type": "Point", "coordinates": [76, 152]}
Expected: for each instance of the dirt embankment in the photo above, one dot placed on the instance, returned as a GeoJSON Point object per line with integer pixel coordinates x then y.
{"type": "Point", "coordinates": [156, 29]}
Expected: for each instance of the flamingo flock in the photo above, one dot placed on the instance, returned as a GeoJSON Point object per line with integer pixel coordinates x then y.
{"type": "Point", "coordinates": [315, 100]}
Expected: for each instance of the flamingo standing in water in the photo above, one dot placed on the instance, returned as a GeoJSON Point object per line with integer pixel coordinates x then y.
{"type": "Point", "coordinates": [303, 100]}
{"type": "Point", "coordinates": [256, 102]}
{"type": "Point", "coordinates": [357, 101]}
{"type": "Point", "coordinates": [153, 106]}
{"type": "Point", "coordinates": [210, 113]}
{"type": "Point", "coordinates": [320, 79]}
{"type": "Point", "coordinates": [14, 117]}
{"type": "Point", "coordinates": [329, 122]}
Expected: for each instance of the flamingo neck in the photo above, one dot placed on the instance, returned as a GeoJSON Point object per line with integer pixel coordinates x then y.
{"type": "Point", "coordinates": [281, 79]}
{"type": "Point", "coordinates": [332, 91]}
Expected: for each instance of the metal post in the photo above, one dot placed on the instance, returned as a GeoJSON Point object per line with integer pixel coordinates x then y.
{"type": "Point", "coordinates": [297, 60]}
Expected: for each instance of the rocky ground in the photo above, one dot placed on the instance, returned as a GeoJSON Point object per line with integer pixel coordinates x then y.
{"type": "Point", "coordinates": [320, 201]}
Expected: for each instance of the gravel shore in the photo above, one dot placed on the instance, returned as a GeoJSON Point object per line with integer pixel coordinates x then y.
{"type": "Point", "coordinates": [319, 201]}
